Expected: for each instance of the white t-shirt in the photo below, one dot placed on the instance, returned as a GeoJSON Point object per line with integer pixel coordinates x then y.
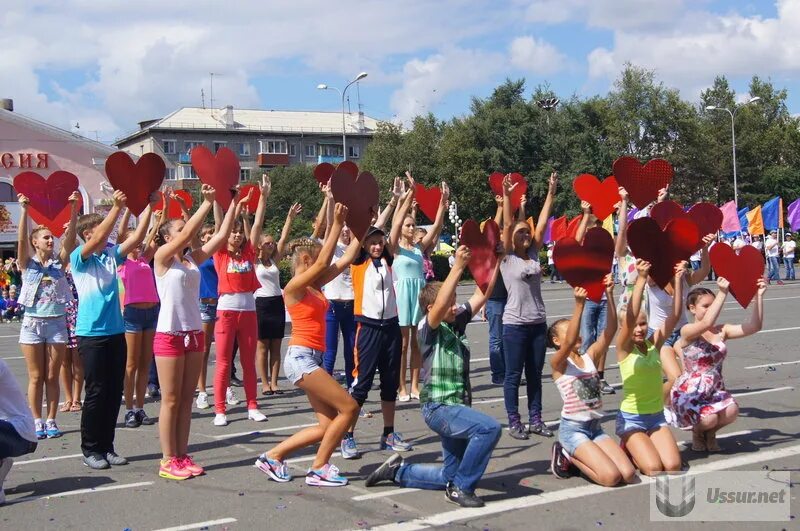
{"type": "Point", "coordinates": [270, 280]}
{"type": "Point", "coordinates": [550, 260]}
{"type": "Point", "coordinates": [788, 248]}
{"type": "Point", "coordinates": [660, 306]}
{"type": "Point", "coordinates": [758, 244]}
{"type": "Point", "coordinates": [341, 287]}
{"type": "Point", "coordinates": [772, 247]}
{"type": "Point", "coordinates": [13, 406]}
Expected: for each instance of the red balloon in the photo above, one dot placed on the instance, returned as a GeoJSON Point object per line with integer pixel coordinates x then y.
{"type": "Point", "coordinates": [666, 211]}
{"type": "Point", "coordinates": [603, 196]}
{"type": "Point", "coordinates": [221, 171]}
{"type": "Point", "coordinates": [428, 200]}
{"type": "Point", "coordinates": [496, 184]}
{"type": "Point", "coordinates": [742, 270]}
{"type": "Point", "coordinates": [586, 265]}
{"type": "Point", "coordinates": [663, 248]}
{"type": "Point", "coordinates": [483, 245]}
{"type": "Point", "coordinates": [359, 195]}
{"type": "Point", "coordinates": [642, 182]}
{"type": "Point", "coordinates": [323, 172]}
{"type": "Point", "coordinates": [136, 180]}
{"type": "Point", "coordinates": [47, 196]}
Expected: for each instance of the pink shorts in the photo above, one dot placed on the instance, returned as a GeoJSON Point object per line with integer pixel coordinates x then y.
{"type": "Point", "coordinates": [174, 345]}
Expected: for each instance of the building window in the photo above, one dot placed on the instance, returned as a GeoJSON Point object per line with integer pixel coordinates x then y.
{"type": "Point", "coordinates": [272, 147]}
{"type": "Point", "coordinates": [170, 174]}
{"type": "Point", "coordinates": [352, 152]}
{"type": "Point", "coordinates": [188, 145]}
{"type": "Point", "coordinates": [7, 194]}
{"type": "Point", "coordinates": [244, 174]}
{"type": "Point", "coordinates": [187, 172]}
{"type": "Point", "coordinates": [292, 150]}
{"type": "Point", "coordinates": [244, 149]}
{"type": "Point", "coordinates": [169, 146]}
{"type": "Point", "coordinates": [311, 150]}
{"type": "Point", "coordinates": [218, 145]}
{"type": "Point", "coordinates": [330, 150]}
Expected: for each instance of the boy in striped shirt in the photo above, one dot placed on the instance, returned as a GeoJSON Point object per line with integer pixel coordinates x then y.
{"type": "Point", "coordinates": [468, 436]}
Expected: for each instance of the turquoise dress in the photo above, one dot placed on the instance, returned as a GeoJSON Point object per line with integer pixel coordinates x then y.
{"type": "Point", "coordinates": [409, 280]}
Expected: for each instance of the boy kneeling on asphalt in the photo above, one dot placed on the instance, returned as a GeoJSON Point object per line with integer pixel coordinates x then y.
{"type": "Point", "coordinates": [468, 436]}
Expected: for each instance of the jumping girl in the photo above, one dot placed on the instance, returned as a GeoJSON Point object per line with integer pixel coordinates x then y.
{"type": "Point", "coordinates": [334, 408]}
{"type": "Point", "coordinates": [699, 398]}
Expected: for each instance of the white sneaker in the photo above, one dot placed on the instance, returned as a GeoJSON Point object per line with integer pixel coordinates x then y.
{"type": "Point", "coordinates": [230, 397]}
{"type": "Point", "coordinates": [220, 419]}
{"type": "Point", "coordinates": [256, 415]}
{"type": "Point", "coordinates": [202, 401]}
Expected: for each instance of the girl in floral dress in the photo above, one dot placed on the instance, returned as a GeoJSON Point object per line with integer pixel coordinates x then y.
{"type": "Point", "coordinates": [698, 398]}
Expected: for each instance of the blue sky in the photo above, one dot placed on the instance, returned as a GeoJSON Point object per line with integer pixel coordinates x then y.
{"type": "Point", "coordinates": [109, 65]}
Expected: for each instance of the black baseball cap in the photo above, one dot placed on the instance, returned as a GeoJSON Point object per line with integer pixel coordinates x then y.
{"type": "Point", "coordinates": [374, 230]}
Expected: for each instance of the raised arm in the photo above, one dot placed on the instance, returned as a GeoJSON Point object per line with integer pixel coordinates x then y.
{"type": "Point", "coordinates": [23, 246]}
{"type": "Point", "coordinates": [220, 237]}
{"type": "Point", "coordinates": [69, 240]}
{"type": "Point", "coordinates": [319, 225]}
{"type": "Point", "coordinates": [624, 339]}
{"type": "Point", "coordinates": [444, 299]}
{"type": "Point", "coordinates": [541, 223]}
{"type": "Point", "coordinates": [523, 201]}
{"type": "Point", "coordinates": [103, 230]}
{"type": "Point", "coordinates": [135, 239]}
{"type": "Point", "coordinates": [294, 210]}
{"type": "Point", "coordinates": [586, 208]}
{"type": "Point", "coordinates": [124, 222]}
{"type": "Point", "coordinates": [508, 215]}
{"type": "Point", "coordinates": [312, 274]}
{"type": "Point", "coordinates": [498, 215]}
{"type": "Point", "coordinates": [705, 262]}
{"type": "Point", "coordinates": [559, 360]}
{"type": "Point", "coordinates": [661, 335]}
{"type": "Point", "coordinates": [400, 214]}
{"type": "Point", "coordinates": [621, 244]}
{"type": "Point", "coordinates": [336, 268]}
{"type": "Point", "coordinates": [602, 343]}
{"type": "Point", "coordinates": [756, 321]}
{"type": "Point", "coordinates": [430, 239]}
{"type": "Point", "coordinates": [258, 220]}
{"type": "Point", "coordinates": [692, 331]}
{"type": "Point", "coordinates": [385, 214]}
{"type": "Point", "coordinates": [172, 247]}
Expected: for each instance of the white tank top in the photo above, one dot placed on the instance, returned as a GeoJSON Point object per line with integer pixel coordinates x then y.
{"type": "Point", "coordinates": [580, 391]}
{"type": "Point", "coordinates": [659, 304]}
{"type": "Point", "coordinates": [270, 280]}
{"type": "Point", "coordinates": [179, 291]}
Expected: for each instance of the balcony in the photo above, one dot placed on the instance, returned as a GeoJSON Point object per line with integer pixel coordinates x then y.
{"type": "Point", "coordinates": [273, 159]}
{"type": "Point", "coordinates": [331, 159]}
{"type": "Point", "coordinates": [185, 158]}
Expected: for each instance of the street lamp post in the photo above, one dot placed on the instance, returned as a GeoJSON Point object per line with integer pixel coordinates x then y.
{"type": "Point", "coordinates": [732, 114]}
{"type": "Point", "coordinates": [342, 94]}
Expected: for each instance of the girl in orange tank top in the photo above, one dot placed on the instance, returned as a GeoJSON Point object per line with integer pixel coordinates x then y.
{"type": "Point", "coordinates": [308, 320]}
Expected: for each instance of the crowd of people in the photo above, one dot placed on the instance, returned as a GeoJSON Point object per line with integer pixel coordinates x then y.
{"type": "Point", "coordinates": [187, 283]}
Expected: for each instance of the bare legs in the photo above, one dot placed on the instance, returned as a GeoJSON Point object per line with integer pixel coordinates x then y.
{"type": "Point", "coordinates": [409, 342]}
{"type": "Point", "coordinates": [178, 377]}
{"type": "Point", "coordinates": [704, 433]}
{"type": "Point", "coordinates": [604, 462]}
{"type": "Point", "coordinates": [72, 379]}
{"type": "Point", "coordinates": [274, 362]}
{"type": "Point", "coordinates": [208, 332]}
{"type": "Point", "coordinates": [44, 365]}
{"type": "Point", "coordinates": [262, 348]}
{"type": "Point", "coordinates": [140, 354]}
{"type": "Point", "coordinates": [655, 452]}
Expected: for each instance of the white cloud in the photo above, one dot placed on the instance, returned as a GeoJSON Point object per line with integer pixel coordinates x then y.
{"type": "Point", "coordinates": [536, 55]}
{"type": "Point", "coordinates": [607, 14]}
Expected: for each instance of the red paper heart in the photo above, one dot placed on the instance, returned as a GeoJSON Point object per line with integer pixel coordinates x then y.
{"type": "Point", "coordinates": [663, 248]}
{"type": "Point", "coordinates": [47, 196]}
{"type": "Point", "coordinates": [359, 195]}
{"type": "Point", "coordinates": [136, 180]}
{"type": "Point", "coordinates": [707, 217]}
{"type": "Point", "coordinates": [57, 224]}
{"type": "Point", "coordinates": [586, 265]}
{"type": "Point", "coordinates": [252, 204]}
{"type": "Point", "coordinates": [428, 200]}
{"type": "Point", "coordinates": [642, 182]}
{"type": "Point", "coordinates": [323, 172]}
{"type": "Point", "coordinates": [558, 230]}
{"type": "Point", "coordinates": [483, 245]}
{"type": "Point", "coordinates": [666, 211]}
{"type": "Point", "coordinates": [742, 270]}
{"type": "Point", "coordinates": [220, 171]}
{"type": "Point", "coordinates": [348, 167]}
{"type": "Point", "coordinates": [496, 184]}
{"type": "Point", "coordinates": [175, 211]}
{"type": "Point", "coordinates": [602, 196]}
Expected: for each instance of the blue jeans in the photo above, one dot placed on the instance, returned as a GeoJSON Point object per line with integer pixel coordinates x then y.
{"type": "Point", "coordinates": [468, 438]}
{"type": "Point", "coordinates": [696, 264]}
{"type": "Point", "coordinates": [593, 322]}
{"type": "Point", "coordinates": [11, 443]}
{"type": "Point", "coordinates": [773, 268]}
{"type": "Point", "coordinates": [494, 314]}
{"type": "Point", "coordinates": [789, 264]}
{"type": "Point", "coordinates": [339, 317]}
{"type": "Point", "coordinates": [524, 348]}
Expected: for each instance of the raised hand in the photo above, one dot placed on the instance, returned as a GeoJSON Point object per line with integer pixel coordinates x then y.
{"type": "Point", "coordinates": [762, 287]}
{"type": "Point", "coordinates": [266, 185]}
{"type": "Point", "coordinates": [294, 210]}
{"type": "Point", "coordinates": [23, 201]}
{"type": "Point", "coordinates": [623, 194]}
{"type": "Point", "coordinates": [208, 193]}
{"type": "Point", "coordinates": [339, 213]}
{"type": "Point", "coordinates": [397, 188]}
{"type": "Point", "coordinates": [508, 186]}
{"type": "Point", "coordinates": [119, 199]}
{"type": "Point", "coordinates": [662, 194]}
{"type": "Point", "coordinates": [724, 285]}
{"type": "Point", "coordinates": [680, 270]}
{"type": "Point", "coordinates": [608, 280]}
{"type": "Point", "coordinates": [580, 294]}
{"type": "Point", "coordinates": [445, 193]}
{"type": "Point", "coordinates": [463, 255]}
{"type": "Point", "coordinates": [707, 239]}
{"type": "Point", "coordinates": [552, 183]}
{"type": "Point", "coordinates": [499, 200]}
{"type": "Point", "coordinates": [586, 207]}
{"type": "Point", "coordinates": [642, 267]}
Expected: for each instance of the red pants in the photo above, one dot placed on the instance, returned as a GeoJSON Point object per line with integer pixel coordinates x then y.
{"type": "Point", "coordinates": [241, 326]}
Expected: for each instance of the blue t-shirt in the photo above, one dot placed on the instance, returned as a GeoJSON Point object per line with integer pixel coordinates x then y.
{"type": "Point", "coordinates": [208, 280]}
{"type": "Point", "coordinates": [95, 278]}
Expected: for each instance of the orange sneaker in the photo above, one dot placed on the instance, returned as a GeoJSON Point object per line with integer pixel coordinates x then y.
{"type": "Point", "coordinates": [188, 463]}
{"type": "Point", "coordinates": [173, 468]}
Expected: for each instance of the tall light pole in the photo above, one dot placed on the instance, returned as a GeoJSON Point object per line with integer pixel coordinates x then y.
{"type": "Point", "coordinates": [342, 94]}
{"type": "Point", "coordinates": [732, 113]}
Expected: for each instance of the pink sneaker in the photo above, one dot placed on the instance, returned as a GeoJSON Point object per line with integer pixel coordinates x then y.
{"type": "Point", "coordinates": [189, 464]}
{"type": "Point", "coordinates": [173, 469]}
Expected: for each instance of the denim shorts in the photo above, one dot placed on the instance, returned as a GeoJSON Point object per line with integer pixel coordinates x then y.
{"type": "Point", "coordinates": [573, 433]}
{"type": "Point", "coordinates": [208, 312]}
{"type": "Point", "coordinates": [300, 361]}
{"type": "Point", "coordinates": [140, 319]}
{"type": "Point", "coordinates": [670, 342]}
{"type": "Point", "coordinates": [648, 422]}
{"type": "Point", "coordinates": [50, 330]}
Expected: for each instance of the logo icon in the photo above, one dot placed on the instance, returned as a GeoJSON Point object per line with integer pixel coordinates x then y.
{"type": "Point", "coordinates": [687, 499]}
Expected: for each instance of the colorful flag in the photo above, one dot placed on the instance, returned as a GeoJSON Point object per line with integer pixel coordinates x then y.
{"type": "Point", "coordinates": [755, 222]}
{"type": "Point", "coordinates": [548, 230]}
{"type": "Point", "coordinates": [632, 214]}
{"type": "Point", "coordinates": [559, 229]}
{"type": "Point", "coordinates": [743, 217]}
{"type": "Point", "coordinates": [608, 224]}
{"type": "Point", "coordinates": [531, 224]}
{"type": "Point", "coordinates": [572, 226]}
{"type": "Point", "coordinates": [794, 215]}
{"type": "Point", "coordinates": [730, 221]}
{"type": "Point", "coordinates": [772, 213]}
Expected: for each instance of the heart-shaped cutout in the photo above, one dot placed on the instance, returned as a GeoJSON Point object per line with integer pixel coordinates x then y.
{"type": "Point", "coordinates": [572, 226]}
{"type": "Point", "coordinates": [663, 248]}
{"type": "Point", "coordinates": [349, 167]}
{"type": "Point", "coordinates": [642, 182]}
{"type": "Point", "coordinates": [483, 247]}
{"type": "Point", "coordinates": [58, 224]}
{"type": "Point", "coordinates": [603, 196]}
{"type": "Point", "coordinates": [255, 196]}
{"type": "Point", "coordinates": [428, 200]}
{"type": "Point", "coordinates": [707, 217]}
{"type": "Point", "coordinates": [220, 171]}
{"type": "Point", "coordinates": [666, 211]}
{"type": "Point", "coordinates": [174, 211]}
{"type": "Point", "coordinates": [323, 172]}
{"type": "Point", "coordinates": [496, 184]}
{"type": "Point", "coordinates": [136, 180]}
{"type": "Point", "coordinates": [742, 270]}
{"type": "Point", "coordinates": [586, 265]}
{"type": "Point", "coordinates": [558, 229]}
{"type": "Point", "coordinates": [47, 196]}
{"type": "Point", "coordinates": [359, 195]}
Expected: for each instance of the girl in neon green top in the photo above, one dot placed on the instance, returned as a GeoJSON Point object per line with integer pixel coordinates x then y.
{"type": "Point", "coordinates": [640, 421]}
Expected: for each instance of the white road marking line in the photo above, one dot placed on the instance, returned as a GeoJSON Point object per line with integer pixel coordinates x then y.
{"type": "Point", "coordinates": [779, 330]}
{"type": "Point", "coordinates": [80, 491]}
{"type": "Point", "coordinates": [441, 519]}
{"type": "Point", "coordinates": [45, 459]}
{"type": "Point", "coordinates": [14, 357]}
{"type": "Point", "coordinates": [199, 525]}
{"type": "Point", "coordinates": [772, 364]}
{"type": "Point", "coordinates": [787, 388]}
{"type": "Point", "coordinates": [255, 432]}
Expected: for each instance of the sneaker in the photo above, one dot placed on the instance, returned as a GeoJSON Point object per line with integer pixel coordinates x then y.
{"type": "Point", "coordinates": [51, 429]}
{"type": "Point", "coordinates": [779, 282]}
{"type": "Point", "coordinates": [560, 464]}
{"type": "Point", "coordinates": [143, 418]}
{"type": "Point", "coordinates": [462, 498]}
{"type": "Point", "coordinates": [173, 469]}
{"type": "Point", "coordinates": [327, 476]}
{"type": "Point", "coordinates": [256, 415]}
{"type": "Point", "coordinates": [539, 428]}
{"type": "Point", "coordinates": [5, 466]}
{"type": "Point", "coordinates": [96, 462]}
{"type": "Point", "coordinates": [115, 460]}
{"type": "Point", "coordinates": [386, 472]}
{"type": "Point", "coordinates": [39, 427]}
{"type": "Point", "coordinates": [276, 470]}
{"type": "Point", "coordinates": [349, 448]}
{"type": "Point", "coordinates": [202, 401]}
{"type": "Point", "coordinates": [236, 382]}
{"type": "Point", "coordinates": [403, 398]}
{"type": "Point", "coordinates": [131, 420]}
{"type": "Point", "coordinates": [220, 419]}
{"type": "Point", "coordinates": [230, 397]}
{"type": "Point", "coordinates": [517, 431]}
{"type": "Point", "coordinates": [364, 414]}
{"type": "Point", "coordinates": [606, 389]}
{"type": "Point", "coordinates": [152, 391]}
{"type": "Point", "coordinates": [189, 464]}
{"type": "Point", "coordinates": [394, 441]}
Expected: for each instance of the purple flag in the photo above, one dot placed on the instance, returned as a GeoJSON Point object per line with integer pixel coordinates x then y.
{"type": "Point", "coordinates": [632, 214]}
{"type": "Point", "coordinates": [794, 215]}
{"type": "Point", "coordinates": [547, 230]}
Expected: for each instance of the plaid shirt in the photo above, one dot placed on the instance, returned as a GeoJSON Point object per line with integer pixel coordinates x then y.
{"type": "Point", "coordinates": [445, 361]}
